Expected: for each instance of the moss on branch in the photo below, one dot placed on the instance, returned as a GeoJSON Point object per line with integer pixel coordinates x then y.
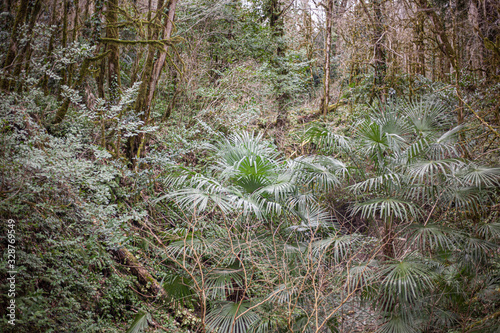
{"type": "Point", "coordinates": [158, 42]}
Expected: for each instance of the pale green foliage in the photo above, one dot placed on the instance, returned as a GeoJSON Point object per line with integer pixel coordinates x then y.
{"type": "Point", "coordinates": [417, 178]}
{"type": "Point", "coordinates": [226, 317]}
{"type": "Point", "coordinates": [253, 180]}
{"type": "Point", "coordinates": [62, 195]}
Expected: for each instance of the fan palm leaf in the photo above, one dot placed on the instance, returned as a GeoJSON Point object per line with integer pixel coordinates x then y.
{"type": "Point", "coordinates": [432, 237]}
{"type": "Point", "coordinates": [362, 276]}
{"type": "Point", "coordinates": [222, 282]}
{"type": "Point", "coordinates": [405, 282]}
{"type": "Point", "coordinates": [490, 231]}
{"type": "Point", "coordinates": [283, 294]}
{"type": "Point", "coordinates": [426, 116]}
{"type": "Point", "coordinates": [397, 324]}
{"type": "Point", "coordinates": [377, 183]}
{"type": "Point", "coordinates": [140, 323]}
{"type": "Point", "coordinates": [480, 176]}
{"type": "Point", "coordinates": [324, 171]}
{"type": "Point", "coordinates": [338, 246]}
{"type": "Point", "coordinates": [386, 207]}
{"type": "Point", "coordinates": [465, 199]}
{"type": "Point", "coordinates": [428, 170]}
{"type": "Point", "coordinates": [446, 144]}
{"type": "Point", "coordinates": [312, 219]}
{"type": "Point", "coordinates": [325, 138]}
{"type": "Point", "coordinates": [191, 245]}
{"type": "Point", "coordinates": [230, 317]}
{"type": "Point", "coordinates": [476, 249]}
{"type": "Point", "coordinates": [178, 290]}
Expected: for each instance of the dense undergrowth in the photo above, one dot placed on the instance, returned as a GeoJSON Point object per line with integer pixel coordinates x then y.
{"type": "Point", "coordinates": [202, 213]}
{"type": "Point", "coordinates": [386, 223]}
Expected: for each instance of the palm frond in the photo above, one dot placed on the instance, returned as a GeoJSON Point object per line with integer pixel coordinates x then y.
{"type": "Point", "coordinates": [338, 246]}
{"type": "Point", "coordinates": [432, 237]}
{"type": "Point", "coordinates": [428, 170]}
{"type": "Point", "coordinates": [325, 138]}
{"type": "Point", "coordinates": [251, 204]}
{"type": "Point", "coordinates": [405, 282]}
{"type": "Point", "coordinates": [222, 282]}
{"type": "Point", "coordinates": [414, 150]}
{"type": "Point", "coordinates": [397, 324]}
{"type": "Point", "coordinates": [140, 323]}
{"type": "Point", "coordinates": [283, 294]}
{"type": "Point", "coordinates": [446, 145]}
{"type": "Point", "coordinates": [480, 176]}
{"type": "Point", "coordinates": [228, 317]}
{"type": "Point", "coordinates": [386, 207]}
{"type": "Point", "coordinates": [301, 201]}
{"type": "Point", "coordinates": [464, 198]}
{"type": "Point", "coordinates": [376, 183]}
{"type": "Point", "coordinates": [312, 219]}
{"type": "Point", "coordinates": [476, 249]}
{"type": "Point", "coordinates": [373, 139]}
{"type": "Point", "coordinates": [198, 200]}
{"type": "Point", "coordinates": [280, 189]}
{"type": "Point", "coordinates": [362, 277]}
{"type": "Point", "coordinates": [191, 245]}
{"type": "Point", "coordinates": [388, 117]}
{"type": "Point", "coordinates": [490, 231]}
{"type": "Point", "coordinates": [268, 323]}
{"type": "Point", "coordinates": [239, 146]}
{"type": "Point", "coordinates": [178, 290]}
{"type": "Point", "coordinates": [426, 116]}
{"type": "Point", "coordinates": [324, 171]}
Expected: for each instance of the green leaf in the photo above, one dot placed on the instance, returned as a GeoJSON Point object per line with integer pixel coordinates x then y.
{"type": "Point", "coordinates": [230, 317]}
{"type": "Point", "coordinates": [140, 323]}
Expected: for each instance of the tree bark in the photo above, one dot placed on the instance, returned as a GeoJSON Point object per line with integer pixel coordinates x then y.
{"type": "Point", "coordinates": [24, 56]}
{"type": "Point", "coordinates": [114, 79]}
{"type": "Point", "coordinates": [380, 59]}
{"type": "Point", "coordinates": [21, 14]}
{"type": "Point", "coordinates": [325, 101]}
{"type": "Point", "coordinates": [277, 26]}
{"type": "Point", "coordinates": [45, 81]}
{"type": "Point", "coordinates": [151, 75]}
{"type": "Point", "coordinates": [142, 274]}
{"type": "Point", "coordinates": [63, 109]}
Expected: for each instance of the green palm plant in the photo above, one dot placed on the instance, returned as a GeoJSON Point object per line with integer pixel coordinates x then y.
{"type": "Point", "coordinates": [227, 317]}
{"type": "Point", "coordinates": [251, 179]}
{"type": "Point", "coordinates": [416, 179]}
{"type": "Point", "coordinates": [414, 184]}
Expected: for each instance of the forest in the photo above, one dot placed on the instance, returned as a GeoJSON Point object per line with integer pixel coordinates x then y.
{"type": "Point", "coordinates": [250, 166]}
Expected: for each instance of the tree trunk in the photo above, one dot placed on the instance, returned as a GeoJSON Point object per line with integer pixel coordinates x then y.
{"type": "Point", "coordinates": [24, 56]}
{"type": "Point", "coordinates": [45, 80]}
{"type": "Point", "coordinates": [277, 26]}
{"type": "Point", "coordinates": [65, 37]}
{"type": "Point", "coordinates": [21, 14]}
{"type": "Point", "coordinates": [114, 80]}
{"type": "Point", "coordinates": [308, 37]}
{"type": "Point", "coordinates": [142, 274]}
{"type": "Point", "coordinates": [420, 35]}
{"type": "Point", "coordinates": [325, 101]}
{"type": "Point", "coordinates": [63, 109]}
{"type": "Point", "coordinates": [150, 77]}
{"type": "Point", "coordinates": [380, 61]}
